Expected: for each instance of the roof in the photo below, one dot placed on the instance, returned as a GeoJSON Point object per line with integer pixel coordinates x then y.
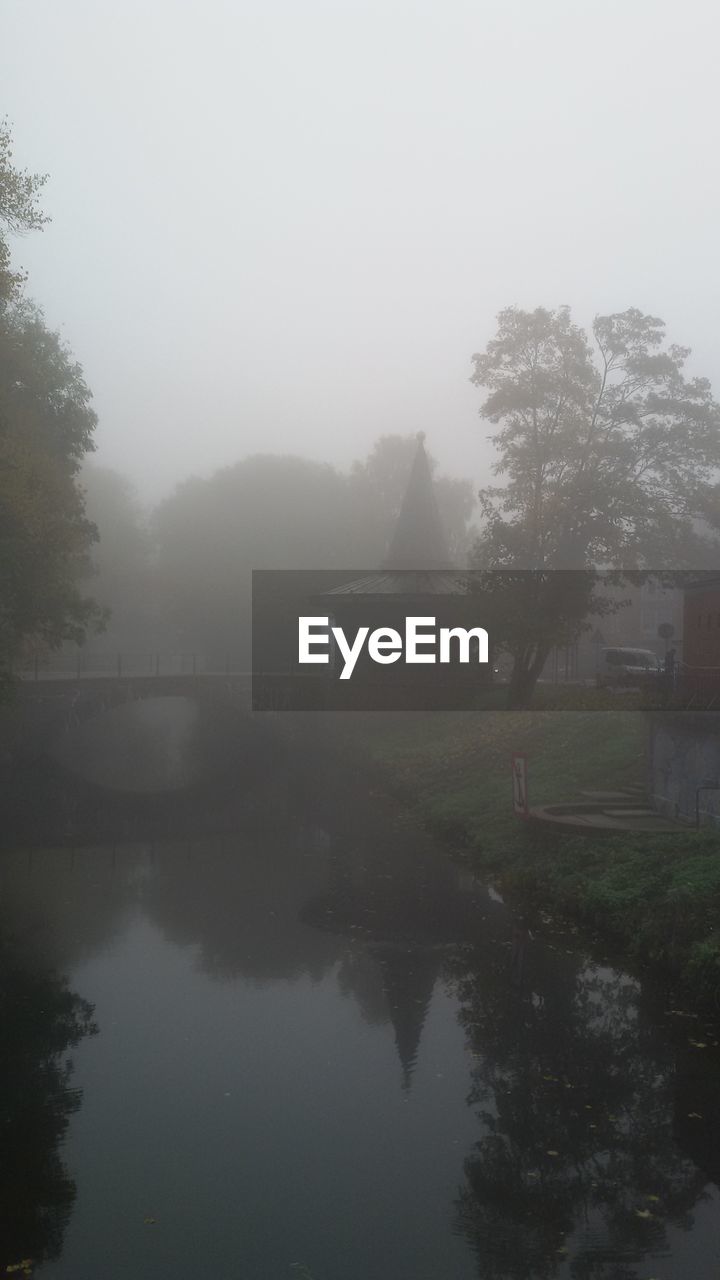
{"type": "Point", "coordinates": [407, 582]}
{"type": "Point", "coordinates": [706, 579]}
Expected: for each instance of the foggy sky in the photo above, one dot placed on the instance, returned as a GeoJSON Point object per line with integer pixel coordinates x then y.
{"type": "Point", "coordinates": [286, 225]}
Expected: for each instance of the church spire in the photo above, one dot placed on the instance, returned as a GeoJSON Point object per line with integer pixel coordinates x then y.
{"type": "Point", "coordinates": [418, 541]}
{"type": "Point", "coordinates": [409, 976]}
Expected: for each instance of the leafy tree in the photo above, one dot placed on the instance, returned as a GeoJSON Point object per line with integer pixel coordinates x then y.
{"type": "Point", "coordinates": [262, 513]}
{"type": "Point", "coordinates": [274, 512]}
{"type": "Point", "coordinates": [608, 456]}
{"type": "Point", "coordinates": [122, 577]}
{"type": "Point", "coordinates": [529, 612]}
{"type": "Point", "coordinates": [19, 210]}
{"type": "Point", "coordinates": [576, 1094]}
{"type": "Point", "coordinates": [46, 426]}
{"type": "Point", "coordinates": [608, 453]}
{"type": "Point", "coordinates": [42, 1020]}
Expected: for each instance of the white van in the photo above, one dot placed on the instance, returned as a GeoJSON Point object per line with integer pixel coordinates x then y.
{"type": "Point", "coordinates": [628, 667]}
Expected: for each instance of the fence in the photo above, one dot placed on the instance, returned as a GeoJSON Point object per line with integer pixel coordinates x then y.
{"type": "Point", "coordinates": [96, 665]}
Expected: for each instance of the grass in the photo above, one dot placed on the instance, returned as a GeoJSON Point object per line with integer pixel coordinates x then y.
{"type": "Point", "coordinates": [454, 767]}
{"type": "Point", "coordinates": [657, 896]}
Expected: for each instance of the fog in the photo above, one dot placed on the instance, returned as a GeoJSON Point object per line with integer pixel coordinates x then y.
{"type": "Point", "coordinates": [287, 227]}
{"type": "Point", "coordinates": [396, 953]}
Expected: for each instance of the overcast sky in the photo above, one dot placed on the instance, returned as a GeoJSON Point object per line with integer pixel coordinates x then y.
{"type": "Point", "coordinates": [286, 225]}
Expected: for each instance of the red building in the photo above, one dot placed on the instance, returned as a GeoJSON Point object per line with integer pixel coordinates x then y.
{"type": "Point", "coordinates": [700, 672]}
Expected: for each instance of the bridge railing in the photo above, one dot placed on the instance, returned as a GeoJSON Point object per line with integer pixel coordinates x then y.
{"type": "Point", "coordinates": [89, 664]}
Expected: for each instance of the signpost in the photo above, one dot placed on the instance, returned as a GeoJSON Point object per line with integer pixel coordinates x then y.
{"type": "Point", "coordinates": [519, 784]}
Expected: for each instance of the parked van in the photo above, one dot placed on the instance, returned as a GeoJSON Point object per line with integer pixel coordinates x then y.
{"type": "Point", "coordinates": [628, 667]}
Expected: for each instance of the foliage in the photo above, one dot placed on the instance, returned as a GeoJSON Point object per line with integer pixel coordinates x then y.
{"type": "Point", "coordinates": [120, 569]}
{"type": "Point", "coordinates": [277, 512]}
{"type": "Point", "coordinates": [578, 1100]}
{"type": "Point", "coordinates": [529, 612]}
{"type": "Point", "coordinates": [19, 211]}
{"type": "Point", "coordinates": [658, 896]}
{"type": "Point", "coordinates": [263, 513]}
{"type": "Point", "coordinates": [42, 1020]}
{"type": "Point", "coordinates": [608, 456]}
{"type": "Point", "coordinates": [46, 426]}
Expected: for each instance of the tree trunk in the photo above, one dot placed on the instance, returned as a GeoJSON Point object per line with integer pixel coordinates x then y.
{"type": "Point", "coordinates": [527, 667]}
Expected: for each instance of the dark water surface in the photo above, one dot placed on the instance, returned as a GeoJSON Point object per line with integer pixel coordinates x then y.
{"type": "Point", "coordinates": [317, 1049]}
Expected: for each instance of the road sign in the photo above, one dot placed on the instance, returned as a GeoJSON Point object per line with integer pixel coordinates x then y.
{"type": "Point", "coordinates": [519, 784]}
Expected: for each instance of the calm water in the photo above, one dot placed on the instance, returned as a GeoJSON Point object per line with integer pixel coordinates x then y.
{"type": "Point", "coordinates": [316, 1049]}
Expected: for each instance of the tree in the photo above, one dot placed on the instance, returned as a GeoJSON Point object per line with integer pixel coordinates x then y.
{"type": "Point", "coordinates": [274, 512]}
{"type": "Point", "coordinates": [42, 1021]}
{"type": "Point", "coordinates": [530, 612]}
{"type": "Point", "coordinates": [577, 1098]}
{"type": "Point", "coordinates": [608, 458]}
{"type": "Point", "coordinates": [121, 571]}
{"type": "Point", "coordinates": [19, 210]}
{"type": "Point", "coordinates": [262, 513]}
{"type": "Point", "coordinates": [608, 455]}
{"type": "Point", "coordinates": [46, 426]}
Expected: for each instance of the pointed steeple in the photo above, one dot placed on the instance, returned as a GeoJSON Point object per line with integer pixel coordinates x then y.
{"type": "Point", "coordinates": [419, 541]}
{"type": "Point", "coordinates": [409, 977]}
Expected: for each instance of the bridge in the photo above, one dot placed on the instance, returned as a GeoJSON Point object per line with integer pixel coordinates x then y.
{"type": "Point", "coordinates": [55, 697]}
{"type": "Point", "coordinates": [101, 691]}
{"type": "Point", "coordinates": [233, 753]}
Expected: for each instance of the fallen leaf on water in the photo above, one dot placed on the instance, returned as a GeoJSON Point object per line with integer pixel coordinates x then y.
{"type": "Point", "coordinates": [694, 1115]}
{"type": "Point", "coordinates": [643, 1213]}
{"type": "Point", "coordinates": [654, 1199]}
{"type": "Point", "coordinates": [553, 1153]}
{"type": "Point", "coordinates": [149, 1222]}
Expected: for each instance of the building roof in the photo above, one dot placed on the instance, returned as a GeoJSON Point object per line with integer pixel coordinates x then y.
{"type": "Point", "coordinates": [702, 580]}
{"type": "Point", "coordinates": [409, 582]}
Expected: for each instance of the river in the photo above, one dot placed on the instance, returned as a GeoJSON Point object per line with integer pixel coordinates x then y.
{"type": "Point", "coordinates": [313, 1047]}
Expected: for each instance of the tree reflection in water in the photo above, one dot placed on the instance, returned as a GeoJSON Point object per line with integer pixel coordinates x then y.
{"type": "Point", "coordinates": [41, 1020]}
{"type": "Point", "coordinates": [578, 1163]}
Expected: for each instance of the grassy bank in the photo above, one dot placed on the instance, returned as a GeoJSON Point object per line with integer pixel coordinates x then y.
{"type": "Point", "coordinates": [658, 896]}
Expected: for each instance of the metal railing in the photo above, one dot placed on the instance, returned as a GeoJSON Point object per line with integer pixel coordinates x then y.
{"type": "Point", "coordinates": [87, 665]}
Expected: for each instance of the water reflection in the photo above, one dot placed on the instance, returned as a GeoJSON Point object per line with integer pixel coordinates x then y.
{"type": "Point", "coordinates": [582, 1162]}
{"type": "Point", "coordinates": [142, 746]}
{"type": "Point", "coordinates": [282, 1061]}
{"type": "Point", "coordinates": [41, 1020]}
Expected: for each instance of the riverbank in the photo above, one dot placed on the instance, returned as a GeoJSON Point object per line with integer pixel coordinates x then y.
{"type": "Point", "coordinates": [657, 897]}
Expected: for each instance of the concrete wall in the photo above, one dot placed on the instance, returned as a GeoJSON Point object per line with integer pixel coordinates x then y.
{"type": "Point", "coordinates": [683, 753]}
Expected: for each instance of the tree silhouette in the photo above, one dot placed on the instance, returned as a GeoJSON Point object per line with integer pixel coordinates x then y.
{"type": "Point", "coordinates": [41, 1020]}
{"type": "Point", "coordinates": [575, 1091]}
